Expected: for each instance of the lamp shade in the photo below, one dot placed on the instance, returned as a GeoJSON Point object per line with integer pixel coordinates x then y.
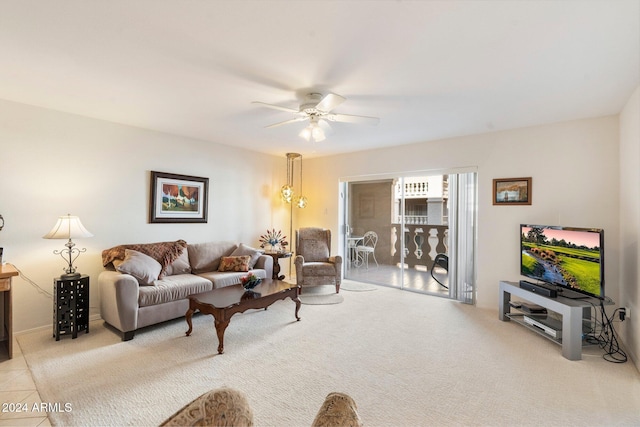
{"type": "Point", "coordinates": [67, 227]}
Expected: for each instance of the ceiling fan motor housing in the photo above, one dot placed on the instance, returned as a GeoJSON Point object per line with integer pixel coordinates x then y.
{"type": "Point", "coordinates": [310, 103]}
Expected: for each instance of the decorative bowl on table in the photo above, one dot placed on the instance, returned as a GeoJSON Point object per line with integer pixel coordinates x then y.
{"type": "Point", "coordinates": [250, 281]}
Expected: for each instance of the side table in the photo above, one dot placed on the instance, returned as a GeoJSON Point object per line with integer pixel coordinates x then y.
{"type": "Point", "coordinates": [276, 265]}
{"type": "Point", "coordinates": [7, 271]}
{"type": "Point", "coordinates": [71, 306]}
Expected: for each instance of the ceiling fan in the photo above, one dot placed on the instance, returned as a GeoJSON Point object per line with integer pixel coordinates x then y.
{"type": "Point", "coordinates": [317, 109]}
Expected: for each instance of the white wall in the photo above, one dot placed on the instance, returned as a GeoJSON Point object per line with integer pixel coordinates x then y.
{"type": "Point", "coordinates": [53, 163]}
{"type": "Point", "coordinates": [575, 183]}
{"type": "Point", "coordinates": [630, 222]}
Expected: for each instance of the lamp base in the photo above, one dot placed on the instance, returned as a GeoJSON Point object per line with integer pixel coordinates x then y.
{"type": "Point", "coordinates": [67, 276]}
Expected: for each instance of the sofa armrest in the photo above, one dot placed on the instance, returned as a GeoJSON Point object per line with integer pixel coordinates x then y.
{"type": "Point", "coordinates": [265, 262]}
{"type": "Point", "coordinates": [119, 300]}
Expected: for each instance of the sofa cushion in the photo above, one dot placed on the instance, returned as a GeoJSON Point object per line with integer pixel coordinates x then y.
{"type": "Point", "coordinates": [205, 257]}
{"type": "Point", "coordinates": [234, 263]}
{"type": "Point", "coordinates": [248, 250]}
{"type": "Point", "coordinates": [319, 269]}
{"type": "Point", "coordinates": [172, 288]}
{"type": "Point", "coordinates": [144, 268]}
{"type": "Point", "coordinates": [228, 278]}
{"type": "Point", "coordinates": [180, 265]}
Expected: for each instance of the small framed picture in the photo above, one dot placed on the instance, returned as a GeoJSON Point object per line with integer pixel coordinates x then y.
{"type": "Point", "coordinates": [178, 198]}
{"type": "Point", "coordinates": [512, 191]}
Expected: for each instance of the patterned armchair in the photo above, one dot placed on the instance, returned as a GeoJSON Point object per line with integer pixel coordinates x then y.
{"type": "Point", "coordinates": [314, 265]}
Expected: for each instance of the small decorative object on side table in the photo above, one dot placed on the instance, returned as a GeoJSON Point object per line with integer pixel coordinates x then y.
{"type": "Point", "coordinates": [71, 306]}
{"type": "Point", "coordinates": [274, 239]}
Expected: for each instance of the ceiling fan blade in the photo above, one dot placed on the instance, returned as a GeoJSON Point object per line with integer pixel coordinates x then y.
{"type": "Point", "coordinates": [326, 127]}
{"type": "Point", "coordinates": [330, 102]}
{"type": "Point", "coordinates": [286, 122]}
{"type": "Point", "coordinates": [348, 118]}
{"type": "Point", "coordinates": [276, 107]}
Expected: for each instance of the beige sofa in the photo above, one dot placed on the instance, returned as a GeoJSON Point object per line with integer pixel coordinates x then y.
{"type": "Point", "coordinates": [145, 284]}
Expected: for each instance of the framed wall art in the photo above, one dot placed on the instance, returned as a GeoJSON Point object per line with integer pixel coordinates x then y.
{"type": "Point", "coordinates": [367, 206]}
{"type": "Point", "coordinates": [512, 191]}
{"type": "Point", "coordinates": [178, 198]}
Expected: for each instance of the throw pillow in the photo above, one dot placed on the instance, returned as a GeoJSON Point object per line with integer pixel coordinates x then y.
{"type": "Point", "coordinates": [248, 250]}
{"type": "Point", "coordinates": [180, 265]}
{"type": "Point", "coordinates": [234, 263]}
{"type": "Point", "coordinates": [144, 268]}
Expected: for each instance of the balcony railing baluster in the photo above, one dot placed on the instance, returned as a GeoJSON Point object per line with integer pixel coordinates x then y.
{"type": "Point", "coordinates": [422, 243]}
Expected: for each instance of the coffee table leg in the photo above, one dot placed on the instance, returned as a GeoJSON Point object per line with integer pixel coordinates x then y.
{"type": "Point", "coordinates": [188, 316]}
{"type": "Point", "coordinates": [220, 328]}
{"type": "Point", "coordinates": [297, 301]}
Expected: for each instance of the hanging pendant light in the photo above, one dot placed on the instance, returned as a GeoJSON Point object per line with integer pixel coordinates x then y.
{"type": "Point", "coordinates": [287, 191]}
{"type": "Point", "coordinates": [301, 201]}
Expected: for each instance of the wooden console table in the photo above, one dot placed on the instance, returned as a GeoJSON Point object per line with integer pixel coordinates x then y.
{"type": "Point", "coordinates": [7, 271]}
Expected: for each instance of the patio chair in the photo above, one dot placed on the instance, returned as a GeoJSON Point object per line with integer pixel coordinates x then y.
{"type": "Point", "coordinates": [368, 247]}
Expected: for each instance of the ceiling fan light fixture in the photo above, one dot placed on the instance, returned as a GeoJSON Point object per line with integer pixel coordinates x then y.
{"type": "Point", "coordinates": [306, 133]}
{"type": "Point", "coordinates": [317, 134]}
{"type": "Point", "coordinates": [313, 132]}
{"type": "Point", "coordinates": [314, 108]}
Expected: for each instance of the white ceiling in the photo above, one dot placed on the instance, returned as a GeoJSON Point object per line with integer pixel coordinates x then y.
{"type": "Point", "coordinates": [427, 69]}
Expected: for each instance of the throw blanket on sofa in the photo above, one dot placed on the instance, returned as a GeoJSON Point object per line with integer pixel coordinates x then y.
{"type": "Point", "coordinates": [163, 252]}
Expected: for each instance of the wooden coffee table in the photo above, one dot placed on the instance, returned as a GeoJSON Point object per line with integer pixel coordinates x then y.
{"type": "Point", "coordinates": [222, 303]}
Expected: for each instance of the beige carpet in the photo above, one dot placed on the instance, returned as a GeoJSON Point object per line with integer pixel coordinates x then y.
{"type": "Point", "coordinates": [320, 295]}
{"type": "Point", "coordinates": [406, 359]}
{"type": "Point", "coordinates": [353, 286]}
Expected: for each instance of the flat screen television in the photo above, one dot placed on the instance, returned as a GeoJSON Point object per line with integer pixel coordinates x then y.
{"type": "Point", "coordinates": [569, 257]}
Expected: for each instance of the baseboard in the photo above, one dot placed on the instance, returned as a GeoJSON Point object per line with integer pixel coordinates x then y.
{"type": "Point", "coordinates": [50, 327]}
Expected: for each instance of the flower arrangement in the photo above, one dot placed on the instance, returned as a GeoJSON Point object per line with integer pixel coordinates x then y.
{"type": "Point", "coordinates": [250, 281]}
{"type": "Point", "coordinates": [273, 238]}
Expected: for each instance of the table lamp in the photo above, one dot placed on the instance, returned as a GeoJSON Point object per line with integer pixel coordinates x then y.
{"type": "Point", "coordinates": [68, 227]}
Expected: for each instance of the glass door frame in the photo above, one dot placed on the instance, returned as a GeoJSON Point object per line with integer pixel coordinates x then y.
{"type": "Point", "coordinates": [469, 274]}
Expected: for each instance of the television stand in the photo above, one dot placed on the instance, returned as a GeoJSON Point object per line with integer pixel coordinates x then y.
{"type": "Point", "coordinates": [574, 314]}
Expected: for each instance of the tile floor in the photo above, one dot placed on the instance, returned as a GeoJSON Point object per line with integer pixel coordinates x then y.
{"type": "Point", "coordinates": [18, 394]}
{"type": "Point", "coordinates": [390, 275]}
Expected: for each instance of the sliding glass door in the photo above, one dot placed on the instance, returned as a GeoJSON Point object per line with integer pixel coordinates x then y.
{"type": "Point", "coordinates": [397, 232]}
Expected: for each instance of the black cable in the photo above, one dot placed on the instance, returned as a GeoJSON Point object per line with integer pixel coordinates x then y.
{"type": "Point", "coordinates": [608, 339]}
{"type": "Point", "coordinates": [34, 284]}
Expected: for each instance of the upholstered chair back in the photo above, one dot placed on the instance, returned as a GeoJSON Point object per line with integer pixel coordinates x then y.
{"type": "Point", "coordinates": [314, 244]}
